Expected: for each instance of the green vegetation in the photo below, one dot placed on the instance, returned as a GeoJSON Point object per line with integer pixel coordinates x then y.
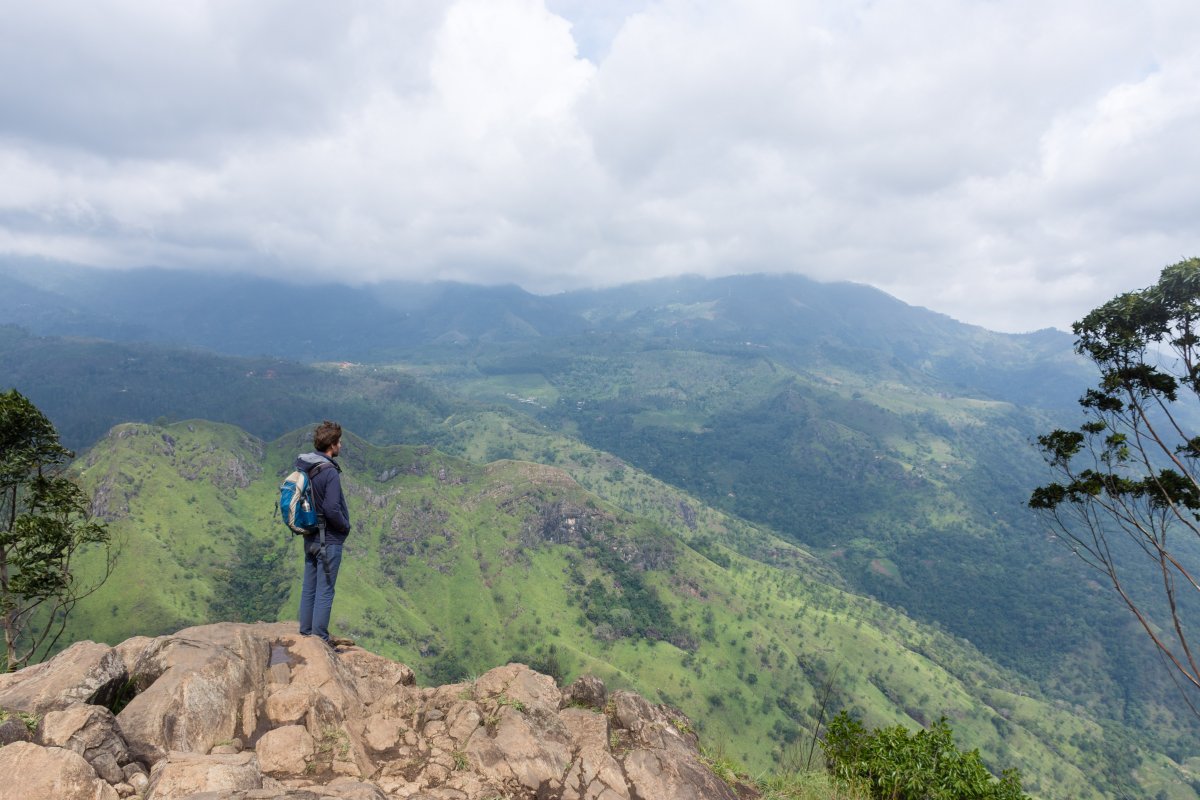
{"type": "Point", "coordinates": [806, 786]}
{"type": "Point", "coordinates": [255, 583]}
{"type": "Point", "coordinates": [1128, 499]}
{"type": "Point", "coordinates": [87, 387]}
{"type": "Point", "coordinates": [893, 764]}
{"type": "Point", "coordinates": [912, 489]}
{"type": "Point", "coordinates": [44, 528]}
{"type": "Point", "coordinates": [30, 721]}
{"type": "Point", "coordinates": [455, 568]}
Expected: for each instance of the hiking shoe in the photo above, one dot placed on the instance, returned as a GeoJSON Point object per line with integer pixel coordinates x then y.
{"type": "Point", "coordinates": [341, 641]}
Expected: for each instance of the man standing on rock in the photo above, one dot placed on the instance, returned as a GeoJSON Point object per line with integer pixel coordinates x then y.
{"type": "Point", "coordinates": [323, 550]}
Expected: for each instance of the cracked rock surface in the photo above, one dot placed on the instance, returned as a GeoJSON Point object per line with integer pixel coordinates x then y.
{"type": "Point", "coordinates": [253, 712]}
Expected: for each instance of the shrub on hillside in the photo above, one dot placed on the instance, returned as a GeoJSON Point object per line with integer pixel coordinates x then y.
{"type": "Point", "coordinates": [895, 764]}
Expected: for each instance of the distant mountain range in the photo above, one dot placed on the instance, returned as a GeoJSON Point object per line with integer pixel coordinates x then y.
{"type": "Point", "coordinates": [804, 321]}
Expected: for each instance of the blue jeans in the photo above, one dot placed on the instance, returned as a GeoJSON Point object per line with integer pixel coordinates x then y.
{"type": "Point", "coordinates": [316, 593]}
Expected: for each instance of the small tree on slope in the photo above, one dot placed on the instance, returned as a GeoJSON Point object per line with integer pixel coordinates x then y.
{"type": "Point", "coordinates": [1127, 498]}
{"type": "Point", "coordinates": [44, 525]}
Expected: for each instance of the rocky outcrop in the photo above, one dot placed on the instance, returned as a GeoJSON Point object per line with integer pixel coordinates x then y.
{"type": "Point", "coordinates": [85, 672]}
{"type": "Point", "coordinates": [33, 771]}
{"type": "Point", "coordinates": [234, 712]}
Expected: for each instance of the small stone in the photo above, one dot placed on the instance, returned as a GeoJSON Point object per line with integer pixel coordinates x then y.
{"type": "Point", "coordinates": [124, 789]}
{"type": "Point", "coordinates": [224, 750]}
{"type": "Point", "coordinates": [289, 706]}
{"type": "Point", "coordinates": [381, 733]}
{"type": "Point", "coordinates": [139, 781]}
{"type": "Point", "coordinates": [435, 774]}
{"type": "Point", "coordinates": [587, 691]}
{"type": "Point", "coordinates": [106, 766]}
{"type": "Point", "coordinates": [13, 730]}
{"type": "Point", "coordinates": [279, 673]}
{"type": "Point", "coordinates": [346, 768]}
{"type": "Point", "coordinates": [131, 769]}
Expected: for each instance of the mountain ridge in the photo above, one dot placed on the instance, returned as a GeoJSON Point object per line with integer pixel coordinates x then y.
{"type": "Point", "coordinates": [253, 316]}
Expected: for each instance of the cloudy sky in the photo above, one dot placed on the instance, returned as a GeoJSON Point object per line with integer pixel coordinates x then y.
{"type": "Point", "coordinates": [1012, 163]}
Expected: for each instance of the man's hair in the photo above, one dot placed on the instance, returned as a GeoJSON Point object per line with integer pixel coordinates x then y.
{"type": "Point", "coordinates": [326, 435]}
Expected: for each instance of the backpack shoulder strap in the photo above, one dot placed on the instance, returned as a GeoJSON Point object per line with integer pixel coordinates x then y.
{"type": "Point", "coordinates": [312, 474]}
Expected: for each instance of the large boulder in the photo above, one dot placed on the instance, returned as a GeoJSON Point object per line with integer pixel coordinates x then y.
{"type": "Point", "coordinates": [285, 751]}
{"type": "Point", "coordinates": [662, 759]}
{"type": "Point", "coordinates": [523, 744]}
{"type": "Point", "coordinates": [91, 731]}
{"type": "Point", "coordinates": [375, 677]}
{"type": "Point", "coordinates": [86, 672]}
{"type": "Point", "coordinates": [335, 710]}
{"type": "Point", "coordinates": [594, 774]}
{"type": "Point", "coordinates": [30, 771]}
{"type": "Point", "coordinates": [194, 682]}
{"type": "Point", "coordinates": [522, 754]}
{"type": "Point", "coordinates": [186, 774]}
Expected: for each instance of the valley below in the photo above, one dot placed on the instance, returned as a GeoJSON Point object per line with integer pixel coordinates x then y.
{"type": "Point", "coordinates": [759, 500]}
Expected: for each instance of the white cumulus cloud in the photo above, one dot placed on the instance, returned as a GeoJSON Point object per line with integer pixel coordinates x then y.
{"type": "Point", "coordinates": [1012, 164]}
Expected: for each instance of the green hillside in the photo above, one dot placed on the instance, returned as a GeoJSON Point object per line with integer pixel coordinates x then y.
{"type": "Point", "coordinates": [455, 567]}
{"type": "Point", "coordinates": [86, 386]}
{"type": "Point", "coordinates": [913, 490]}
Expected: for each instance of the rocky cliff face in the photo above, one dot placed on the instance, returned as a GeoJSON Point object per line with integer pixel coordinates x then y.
{"type": "Point", "coordinates": [233, 712]}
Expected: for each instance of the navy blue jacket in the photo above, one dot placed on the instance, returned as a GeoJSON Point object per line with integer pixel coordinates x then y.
{"type": "Point", "coordinates": [327, 492]}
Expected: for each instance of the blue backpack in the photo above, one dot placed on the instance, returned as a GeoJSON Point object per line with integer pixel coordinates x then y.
{"type": "Point", "coordinates": [296, 504]}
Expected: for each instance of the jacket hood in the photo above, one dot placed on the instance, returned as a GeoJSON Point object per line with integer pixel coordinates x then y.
{"type": "Point", "coordinates": [306, 461]}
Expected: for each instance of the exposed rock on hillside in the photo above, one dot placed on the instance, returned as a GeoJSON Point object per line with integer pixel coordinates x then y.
{"type": "Point", "coordinates": [233, 712]}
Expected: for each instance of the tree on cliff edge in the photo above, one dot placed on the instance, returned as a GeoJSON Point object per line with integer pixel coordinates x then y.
{"type": "Point", "coordinates": [44, 525]}
{"type": "Point", "coordinates": [1127, 496]}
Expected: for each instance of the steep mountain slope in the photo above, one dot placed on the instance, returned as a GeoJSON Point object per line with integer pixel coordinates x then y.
{"type": "Point", "coordinates": [454, 568]}
{"type": "Point", "coordinates": [915, 492]}
{"type": "Point", "coordinates": [87, 386]}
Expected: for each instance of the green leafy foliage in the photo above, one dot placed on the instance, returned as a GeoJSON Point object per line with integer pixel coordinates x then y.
{"type": "Point", "coordinates": [892, 763]}
{"type": "Point", "coordinates": [44, 526]}
{"type": "Point", "coordinates": [1127, 498]}
{"type": "Point", "coordinates": [257, 581]}
{"type": "Point", "coordinates": [624, 602]}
